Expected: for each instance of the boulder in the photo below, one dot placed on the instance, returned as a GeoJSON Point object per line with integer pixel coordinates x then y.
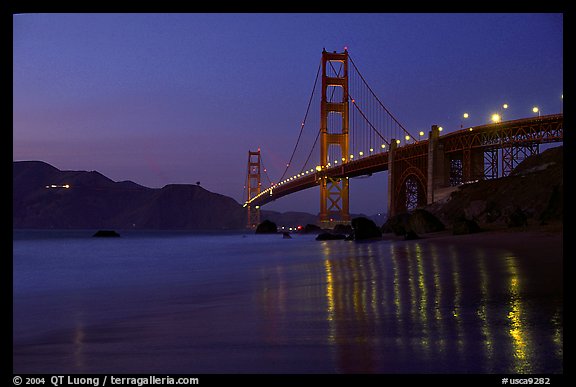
{"type": "Point", "coordinates": [343, 229]}
{"type": "Point", "coordinates": [365, 228]}
{"type": "Point", "coordinates": [397, 224]}
{"type": "Point", "coordinates": [410, 236]}
{"type": "Point", "coordinates": [553, 210]}
{"type": "Point", "coordinates": [463, 226]}
{"type": "Point", "coordinates": [422, 222]}
{"type": "Point", "coordinates": [106, 234]}
{"type": "Point", "coordinates": [517, 218]}
{"type": "Point", "coordinates": [267, 227]}
{"type": "Point", "coordinates": [311, 229]}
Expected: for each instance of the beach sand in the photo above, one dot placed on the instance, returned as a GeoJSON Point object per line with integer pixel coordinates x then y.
{"type": "Point", "coordinates": [344, 315]}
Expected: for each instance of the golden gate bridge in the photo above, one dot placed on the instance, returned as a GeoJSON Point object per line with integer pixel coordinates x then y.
{"type": "Point", "coordinates": [354, 134]}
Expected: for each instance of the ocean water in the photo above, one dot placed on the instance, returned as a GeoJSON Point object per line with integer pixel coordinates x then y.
{"type": "Point", "coordinates": [168, 302]}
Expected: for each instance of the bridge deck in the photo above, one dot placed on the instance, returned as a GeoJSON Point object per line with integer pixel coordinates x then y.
{"type": "Point", "coordinates": [533, 130]}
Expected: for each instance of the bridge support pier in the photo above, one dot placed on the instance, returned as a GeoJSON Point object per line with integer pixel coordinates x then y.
{"type": "Point", "coordinates": [334, 194]}
{"type": "Point", "coordinates": [253, 188]}
{"type": "Point", "coordinates": [473, 165]}
{"type": "Point", "coordinates": [438, 165]}
{"type": "Point", "coordinates": [391, 180]}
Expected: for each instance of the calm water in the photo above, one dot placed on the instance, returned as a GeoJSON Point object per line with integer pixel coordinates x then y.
{"type": "Point", "coordinates": [184, 303]}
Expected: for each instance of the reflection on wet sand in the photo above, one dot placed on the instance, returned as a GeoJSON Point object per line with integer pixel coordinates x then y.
{"type": "Point", "coordinates": [427, 306]}
{"type": "Point", "coordinates": [424, 308]}
{"type": "Point", "coordinates": [520, 337]}
{"type": "Point", "coordinates": [79, 335]}
{"type": "Point", "coordinates": [482, 311]}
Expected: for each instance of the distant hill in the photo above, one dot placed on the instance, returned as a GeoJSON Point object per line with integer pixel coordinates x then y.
{"type": "Point", "coordinates": [94, 201]}
{"type": "Point", "coordinates": [45, 197]}
{"type": "Point", "coordinates": [289, 219]}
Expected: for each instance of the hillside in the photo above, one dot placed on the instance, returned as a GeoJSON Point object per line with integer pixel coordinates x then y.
{"type": "Point", "coordinates": [534, 189]}
{"type": "Point", "coordinates": [94, 201]}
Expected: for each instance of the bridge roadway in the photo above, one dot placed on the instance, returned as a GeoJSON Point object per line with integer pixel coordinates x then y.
{"type": "Point", "coordinates": [522, 132]}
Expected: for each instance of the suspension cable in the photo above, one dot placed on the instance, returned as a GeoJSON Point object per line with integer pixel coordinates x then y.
{"type": "Point", "coordinates": [246, 182]}
{"type": "Point", "coordinates": [264, 169]}
{"type": "Point", "coordinates": [360, 110]}
{"type": "Point", "coordinates": [377, 99]}
{"type": "Point", "coordinates": [303, 121]}
{"type": "Point", "coordinates": [311, 150]}
{"type": "Point", "coordinates": [318, 133]}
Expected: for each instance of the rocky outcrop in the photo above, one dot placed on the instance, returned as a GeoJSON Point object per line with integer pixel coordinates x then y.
{"type": "Point", "coordinates": [365, 228]}
{"type": "Point", "coordinates": [531, 194]}
{"type": "Point", "coordinates": [517, 218]}
{"type": "Point", "coordinates": [411, 224]}
{"type": "Point", "coordinates": [267, 227]}
{"type": "Point", "coordinates": [106, 234]}
{"type": "Point", "coordinates": [463, 226]}
{"type": "Point", "coordinates": [343, 229]}
{"type": "Point", "coordinates": [311, 229]}
{"type": "Point", "coordinates": [398, 224]}
{"type": "Point", "coordinates": [423, 222]}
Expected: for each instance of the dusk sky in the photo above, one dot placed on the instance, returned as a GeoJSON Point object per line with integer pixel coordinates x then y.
{"type": "Point", "coordinates": [180, 98]}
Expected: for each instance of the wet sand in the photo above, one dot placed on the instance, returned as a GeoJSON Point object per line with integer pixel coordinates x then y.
{"type": "Point", "coordinates": [342, 315]}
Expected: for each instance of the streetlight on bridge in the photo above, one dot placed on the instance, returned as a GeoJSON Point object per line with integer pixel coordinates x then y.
{"type": "Point", "coordinates": [536, 110]}
{"type": "Point", "coordinates": [465, 116]}
{"type": "Point", "coordinates": [496, 118]}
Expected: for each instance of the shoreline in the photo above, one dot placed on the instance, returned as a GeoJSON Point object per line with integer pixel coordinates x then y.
{"type": "Point", "coordinates": [443, 304]}
{"type": "Point", "coordinates": [494, 237]}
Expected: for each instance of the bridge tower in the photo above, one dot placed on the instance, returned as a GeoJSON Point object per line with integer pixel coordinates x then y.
{"type": "Point", "coordinates": [334, 127]}
{"type": "Point", "coordinates": [253, 187]}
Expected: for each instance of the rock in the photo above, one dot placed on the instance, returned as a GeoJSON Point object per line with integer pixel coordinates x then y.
{"type": "Point", "coordinates": [327, 236]}
{"type": "Point", "coordinates": [343, 229]}
{"type": "Point", "coordinates": [106, 234]}
{"type": "Point", "coordinates": [397, 224]}
{"type": "Point", "coordinates": [517, 218]}
{"type": "Point", "coordinates": [286, 235]}
{"type": "Point", "coordinates": [535, 186]}
{"type": "Point", "coordinates": [492, 212]}
{"type": "Point", "coordinates": [365, 228]}
{"type": "Point", "coordinates": [476, 208]}
{"type": "Point", "coordinates": [554, 207]}
{"type": "Point", "coordinates": [422, 221]}
{"type": "Point", "coordinates": [311, 229]}
{"type": "Point", "coordinates": [410, 236]}
{"type": "Point", "coordinates": [463, 226]}
{"type": "Point", "coordinates": [267, 227]}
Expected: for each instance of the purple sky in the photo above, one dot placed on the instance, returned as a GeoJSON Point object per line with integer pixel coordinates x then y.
{"type": "Point", "coordinates": [180, 98]}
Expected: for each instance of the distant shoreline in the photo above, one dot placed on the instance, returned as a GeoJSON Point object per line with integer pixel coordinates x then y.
{"type": "Point", "coordinates": [532, 240]}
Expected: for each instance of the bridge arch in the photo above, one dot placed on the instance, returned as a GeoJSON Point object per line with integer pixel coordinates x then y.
{"type": "Point", "coordinates": [411, 191]}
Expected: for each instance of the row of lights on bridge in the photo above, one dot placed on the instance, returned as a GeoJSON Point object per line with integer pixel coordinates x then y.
{"type": "Point", "coordinates": [496, 117]}
{"type": "Point", "coordinates": [319, 168]}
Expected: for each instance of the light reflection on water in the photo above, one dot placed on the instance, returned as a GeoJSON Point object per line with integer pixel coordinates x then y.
{"type": "Point", "coordinates": [520, 337]}
{"type": "Point", "coordinates": [272, 305]}
{"type": "Point", "coordinates": [424, 308]}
